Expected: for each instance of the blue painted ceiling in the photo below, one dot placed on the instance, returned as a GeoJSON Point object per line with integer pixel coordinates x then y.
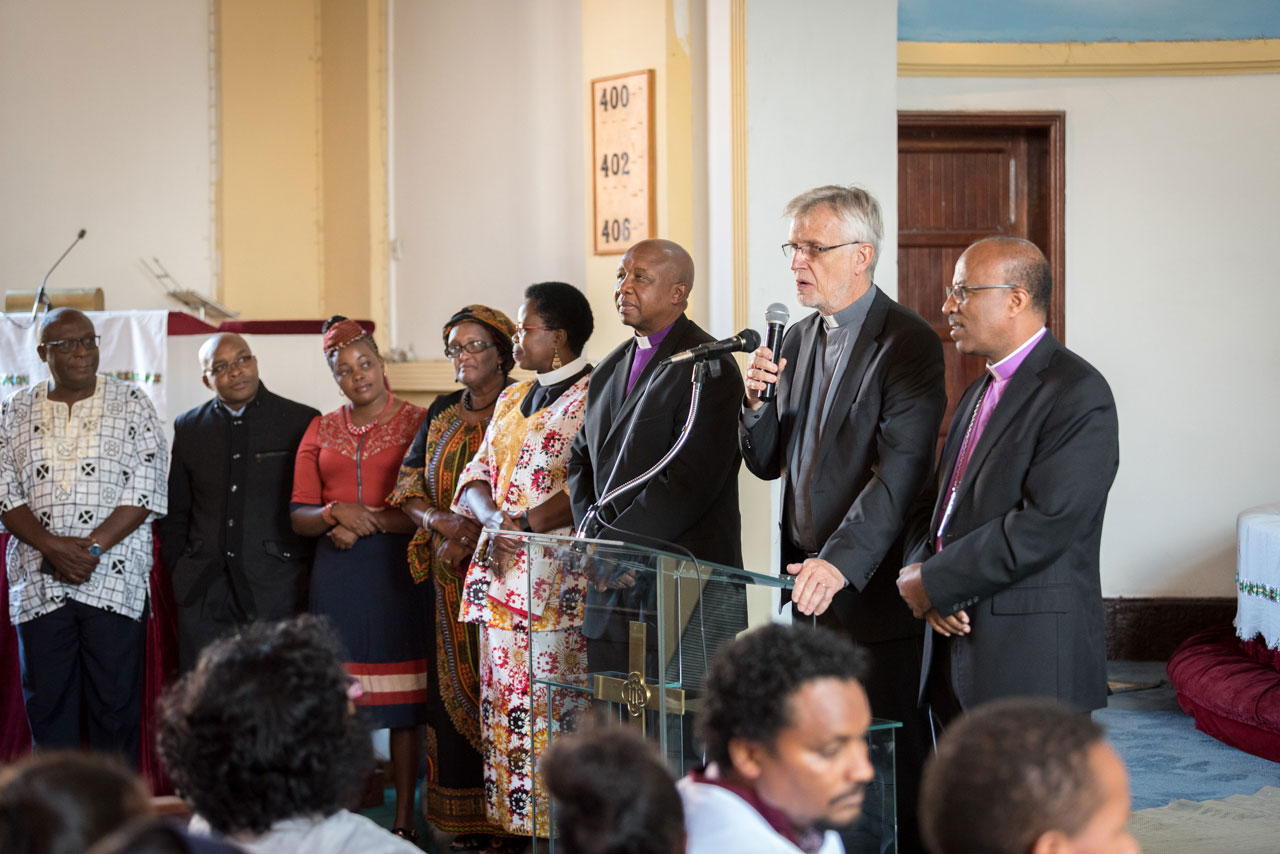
{"type": "Point", "coordinates": [1086, 20]}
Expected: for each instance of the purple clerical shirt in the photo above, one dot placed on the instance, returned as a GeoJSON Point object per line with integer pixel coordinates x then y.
{"type": "Point", "coordinates": [999, 375]}
{"type": "Point", "coordinates": [646, 346]}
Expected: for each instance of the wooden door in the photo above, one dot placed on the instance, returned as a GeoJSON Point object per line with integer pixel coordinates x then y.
{"type": "Point", "coordinates": [965, 176]}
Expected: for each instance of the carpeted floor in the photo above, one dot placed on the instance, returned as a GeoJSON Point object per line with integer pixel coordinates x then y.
{"type": "Point", "coordinates": [1167, 757]}
{"type": "Point", "coordinates": [1240, 824]}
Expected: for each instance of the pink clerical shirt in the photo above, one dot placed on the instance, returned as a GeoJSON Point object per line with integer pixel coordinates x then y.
{"type": "Point", "coordinates": [999, 375]}
{"type": "Point", "coordinates": [645, 348]}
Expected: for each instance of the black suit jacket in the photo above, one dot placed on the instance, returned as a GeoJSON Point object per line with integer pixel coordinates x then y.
{"type": "Point", "coordinates": [874, 456]}
{"type": "Point", "coordinates": [1020, 553]}
{"type": "Point", "coordinates": [229, 488]}
{"type": "Point", "coordinates": [694, 501]}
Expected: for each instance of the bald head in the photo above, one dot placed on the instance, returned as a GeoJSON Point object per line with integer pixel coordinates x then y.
{"type": "Point", "coordinates": [654, 280]}
{"type": "Point", "coordinates": [678, 260]}
{"type": "Point", "coordinates": [1020, 262]}
{"type": "Point", "coordinates": [63, 317]}
{"type": "Point", "coordinates": [213, 342]}
{"type": "Point", "coordinates": [229, 369]}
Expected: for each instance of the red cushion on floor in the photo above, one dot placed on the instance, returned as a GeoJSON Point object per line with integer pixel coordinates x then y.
{"type": "Point", "coordinates": [1232, 698]}
{"type": "Point", "coordinates": [1257, 650]}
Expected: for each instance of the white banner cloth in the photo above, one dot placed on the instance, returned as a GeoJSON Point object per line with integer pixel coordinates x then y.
{"type": "Point", "coordinates": [133, 348]}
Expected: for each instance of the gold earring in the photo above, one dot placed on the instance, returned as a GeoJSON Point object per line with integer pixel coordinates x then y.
{"type": "Point", "coordinates": [555, 358]}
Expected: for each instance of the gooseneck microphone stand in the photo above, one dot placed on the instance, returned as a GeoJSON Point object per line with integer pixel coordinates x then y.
{"type": "Point", "coordinates": [701, 372]}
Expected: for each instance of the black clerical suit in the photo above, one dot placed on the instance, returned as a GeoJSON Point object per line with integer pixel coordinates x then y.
{"type": "Point", "coordinates": [865, 464]}
{"type": "Point", "coordinates": [693, 503]}
{"type": "Point", "coordinates": [1020, 550]}
{"type": "Point", "coordinates": [227, 540]}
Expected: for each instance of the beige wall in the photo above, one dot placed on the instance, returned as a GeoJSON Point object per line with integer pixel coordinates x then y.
{"type": "Point", "coordinates": [302, 187]}
{"type": "Point", "coordinates": [270, 211]}
{"type": "Point", "coordinates": [104, 125]}
{"type": "Point", "coordinates": [487, 168]}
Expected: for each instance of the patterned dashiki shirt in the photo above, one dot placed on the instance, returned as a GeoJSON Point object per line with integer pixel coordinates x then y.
{"type": "Point", "coordinates": [72, 467]}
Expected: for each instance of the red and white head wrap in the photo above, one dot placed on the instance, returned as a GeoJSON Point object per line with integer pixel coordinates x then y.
{"type": "Point", "coordinates": [342, 334]}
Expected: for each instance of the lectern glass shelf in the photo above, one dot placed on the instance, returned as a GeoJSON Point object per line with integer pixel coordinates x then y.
{"type": "Point", "coordinates": [652, 621]}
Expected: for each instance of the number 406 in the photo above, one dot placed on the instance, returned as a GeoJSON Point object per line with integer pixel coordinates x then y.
{"type": "Point", "coordinates": [615, 230]}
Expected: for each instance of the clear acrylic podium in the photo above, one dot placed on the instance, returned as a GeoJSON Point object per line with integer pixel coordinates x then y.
{"type": "Point", "coordinates": [652, 622]}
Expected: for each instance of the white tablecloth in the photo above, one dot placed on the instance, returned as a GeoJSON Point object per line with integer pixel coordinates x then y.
{"type": "Point", "coordinates": [1258, 574]}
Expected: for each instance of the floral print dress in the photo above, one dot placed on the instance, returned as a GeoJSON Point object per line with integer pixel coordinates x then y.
{"type": "Point", "coordinates": [524, 462]}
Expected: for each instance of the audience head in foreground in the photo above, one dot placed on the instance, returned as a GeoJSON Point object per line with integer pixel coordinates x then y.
{"type": "Point", "coordinates": [160, 835]}
{"type": "Point", "coordinates": [64, 802]}
{"type": "Point", "coordinates": [263, 742]}
{"type": "Point", "coordinates": [1026, 776]}
{"type": "Point", "coordinates": [784, 722]}
{"type": "Point", "coordinates": [613, 795]}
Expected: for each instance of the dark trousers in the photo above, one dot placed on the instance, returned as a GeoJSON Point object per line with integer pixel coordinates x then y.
{"type": "Point", "coordinates": [940, 694]}
{"type": "Point", "coordinates": [81, 654]}
{"type": "Point", "coordinates": [214, 614]}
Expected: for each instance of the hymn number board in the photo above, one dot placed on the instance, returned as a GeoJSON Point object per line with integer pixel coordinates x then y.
{"type": "Point", "coordinates": [622, 160]}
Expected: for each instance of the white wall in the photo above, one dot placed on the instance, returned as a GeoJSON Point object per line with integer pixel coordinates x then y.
{"type": "Point", "coordinates": [487, 174]}
{"type": "Point", "coordinates": [1173, 293]}
{"type": "Point", "coordinates": [105, 125]}
{"type": "Point", "coordinates": [821, 109]}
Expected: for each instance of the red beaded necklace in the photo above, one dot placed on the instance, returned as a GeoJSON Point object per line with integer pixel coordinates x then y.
{"type": "Point", "coordinates": [364, 428]}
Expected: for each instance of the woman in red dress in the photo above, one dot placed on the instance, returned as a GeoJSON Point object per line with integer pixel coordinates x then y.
{"type": "Point", "coordinates": [360, 580]}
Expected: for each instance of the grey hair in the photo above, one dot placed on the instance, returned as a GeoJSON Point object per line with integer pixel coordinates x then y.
{"type": "Point", "coordinates": [858, 208]}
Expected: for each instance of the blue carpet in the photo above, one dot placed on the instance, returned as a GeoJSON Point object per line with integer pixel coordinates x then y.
{"type": "Point", "coordinates": [1168, 758]}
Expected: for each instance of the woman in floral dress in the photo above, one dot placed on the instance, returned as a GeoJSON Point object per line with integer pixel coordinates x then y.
{"type": "Point", "coordinates": [517, 481]}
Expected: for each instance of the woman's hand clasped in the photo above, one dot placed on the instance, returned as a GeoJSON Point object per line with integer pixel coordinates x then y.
{"type": "Point", "coordinates": [454, 553]}
{"type": "Point", "coordinates": [342, 538]}
{"type": "Point", "coordinates": [359, 519]}
{"type": "Point", "coordinates": [454, 526]}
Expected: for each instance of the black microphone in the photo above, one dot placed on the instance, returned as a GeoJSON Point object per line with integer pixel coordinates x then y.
{"type": "Point", "coordinates": [775, 321]}
{"type": "Point", "coordinates": [745, 341]}
{"type": "Point", "coordinates": [40, 297]}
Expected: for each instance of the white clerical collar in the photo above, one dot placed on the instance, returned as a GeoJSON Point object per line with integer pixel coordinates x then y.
{"type": "Point", "coordinates": [642, 341]}
{"type": "Point", "coordinates": [563, 372]}
{"type": "Point", "coordinates": [1003, 369]}
{"type": "Point", "coordinates": [854, 311]}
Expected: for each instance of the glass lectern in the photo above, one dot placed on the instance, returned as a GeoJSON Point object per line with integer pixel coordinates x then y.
{"type": "Point", "coordinates": [652, 621]}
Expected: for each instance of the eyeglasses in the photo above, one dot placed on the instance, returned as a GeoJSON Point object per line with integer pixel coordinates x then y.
{"type": "Point", "coordinates": [68, 345]}
{"type": "Point", "coordinates": [812, 250]}
{"type": "Point", "coordinates": [220, 368]}
{"type": "Point", "coordinates": [960, 293]}
{"type": "Point", "coordinates": [453, 351]}
{"type": "Point", "coordinates": [522, 329]}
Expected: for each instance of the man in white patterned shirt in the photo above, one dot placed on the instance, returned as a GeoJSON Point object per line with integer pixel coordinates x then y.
{"type": "Point", "coordinates": [82, 468]}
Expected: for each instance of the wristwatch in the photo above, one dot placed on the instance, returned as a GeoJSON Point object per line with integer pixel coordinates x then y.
{"type": "Point", "coordinates": [95, 549]}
